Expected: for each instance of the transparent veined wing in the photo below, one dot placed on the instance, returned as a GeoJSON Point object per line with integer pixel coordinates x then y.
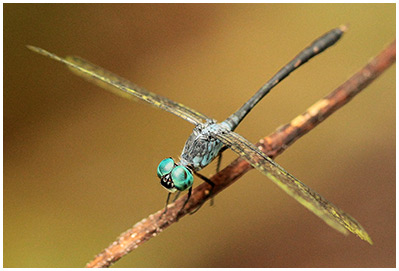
{"type": "Point", "coordinates": [123, 87]}
{"type": "Point", "coordinates": [309, 198]}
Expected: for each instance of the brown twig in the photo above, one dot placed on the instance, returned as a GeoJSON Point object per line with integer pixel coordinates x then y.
{"type": "Point", "coordinates": [272, 145]}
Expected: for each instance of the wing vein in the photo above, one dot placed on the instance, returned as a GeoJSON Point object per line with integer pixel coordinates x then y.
{"type": "Point", "coordinates": [122, 87]}
{"type": "Point", "coordinates": [328, 212]}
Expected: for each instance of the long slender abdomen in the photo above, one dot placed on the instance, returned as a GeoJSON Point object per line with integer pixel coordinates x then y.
{"type": "Point", "coordinates": [318, 46]}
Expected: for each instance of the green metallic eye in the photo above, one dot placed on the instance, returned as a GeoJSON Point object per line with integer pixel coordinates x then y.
{"type": "Point", "coordinates": [165, 167]}
{"type": "Point", "coordinates": [182, 178]}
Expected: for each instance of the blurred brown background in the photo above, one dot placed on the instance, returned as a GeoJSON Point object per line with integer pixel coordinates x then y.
{"type": "Point", "coordinates": [80, 163]}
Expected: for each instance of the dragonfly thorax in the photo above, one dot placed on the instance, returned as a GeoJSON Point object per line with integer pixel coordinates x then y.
{"type": "Point", "coordinates": [201, 147]}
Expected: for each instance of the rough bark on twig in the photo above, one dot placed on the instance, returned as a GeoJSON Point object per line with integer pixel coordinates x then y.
{"type": "Point", "coordinates": [271, 145]}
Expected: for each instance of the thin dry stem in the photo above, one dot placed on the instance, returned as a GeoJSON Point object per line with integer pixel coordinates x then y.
{"type": "Point", "coordinates": [272, 145]}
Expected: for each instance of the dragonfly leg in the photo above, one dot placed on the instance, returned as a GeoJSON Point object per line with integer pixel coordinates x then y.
{"type": "Point", "coordinates": [220, 158]}
{"type": "Point", "coordinates": [205, 179]}
{"type": "Point", "coordinates": [166, 205]}
{"type": "Point", "coordinates": [188, 197]}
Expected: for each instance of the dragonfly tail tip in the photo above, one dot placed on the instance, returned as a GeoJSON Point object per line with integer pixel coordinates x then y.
{"type": "Point", "coordinates": [344, 27]}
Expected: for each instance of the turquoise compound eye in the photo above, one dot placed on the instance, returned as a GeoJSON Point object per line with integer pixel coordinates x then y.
{"type": "Point", "coordinates": [165, 167]}
{"type": "Point", "coordinates": [182, 178]}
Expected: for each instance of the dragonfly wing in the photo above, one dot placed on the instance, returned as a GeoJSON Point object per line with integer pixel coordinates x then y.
{"type": "Point", "coordinates": [309, 198]}
{"type": "Point", "coordinates": [123, 87]}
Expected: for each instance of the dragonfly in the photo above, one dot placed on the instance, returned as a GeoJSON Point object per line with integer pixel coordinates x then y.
{"type": "Point", "coordinates": [210, 138]}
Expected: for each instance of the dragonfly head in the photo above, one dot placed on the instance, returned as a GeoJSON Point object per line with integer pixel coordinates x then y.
{"type": "Point", "coordinates": [174, 177]}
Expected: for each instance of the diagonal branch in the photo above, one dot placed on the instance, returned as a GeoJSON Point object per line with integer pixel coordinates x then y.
{"type": "Point", "coordinates": [271, 145]}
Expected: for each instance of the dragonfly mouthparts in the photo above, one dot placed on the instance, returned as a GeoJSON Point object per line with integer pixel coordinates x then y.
{"type": "Point", "coordinates": [167, 183]}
